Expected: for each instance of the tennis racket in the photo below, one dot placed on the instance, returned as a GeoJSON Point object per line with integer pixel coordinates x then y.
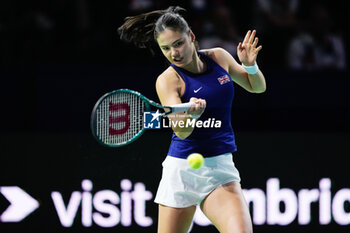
{"type": "Point", "coordinates": [118, 116]}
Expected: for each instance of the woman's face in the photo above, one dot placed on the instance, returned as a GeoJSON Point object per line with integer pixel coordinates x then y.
{"type": "Point", "coordinates": [176, 46]}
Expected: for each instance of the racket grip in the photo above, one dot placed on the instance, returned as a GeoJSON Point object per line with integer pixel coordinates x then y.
{"type": "Point", "coordinates": [181, 107]}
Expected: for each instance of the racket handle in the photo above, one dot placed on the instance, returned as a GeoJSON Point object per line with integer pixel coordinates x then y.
{"type": "Point", "coordinates": [181, 107]}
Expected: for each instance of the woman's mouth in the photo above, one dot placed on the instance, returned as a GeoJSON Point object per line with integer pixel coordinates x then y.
{"type": "Point", "coordinates": [177, 59]}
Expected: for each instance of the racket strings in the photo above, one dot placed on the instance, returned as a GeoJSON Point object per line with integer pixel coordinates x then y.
{"type": "Point", "coordinates": [119, 118]}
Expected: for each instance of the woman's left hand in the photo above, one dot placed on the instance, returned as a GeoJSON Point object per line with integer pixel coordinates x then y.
{"type": "Point", "coordinates": [247, 50]}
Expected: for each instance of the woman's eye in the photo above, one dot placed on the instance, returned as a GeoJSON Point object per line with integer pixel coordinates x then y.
{"type": "Point", "coordinates": [178, 44]}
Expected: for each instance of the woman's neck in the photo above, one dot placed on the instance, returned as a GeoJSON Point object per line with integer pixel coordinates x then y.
{"type": "Point", "coordinates": [197, 65]}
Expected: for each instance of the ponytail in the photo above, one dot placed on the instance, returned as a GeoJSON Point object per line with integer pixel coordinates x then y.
{"type": "Point", "coordinates": [143, 29]}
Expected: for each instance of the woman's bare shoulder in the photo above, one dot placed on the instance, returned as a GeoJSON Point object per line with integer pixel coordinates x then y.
{"type": "Point", "coordinates": [213, 52]}
{"type": "Point", "coordinates": [168, 74]}
{"type": "Point", "coordinates": [219, 55]}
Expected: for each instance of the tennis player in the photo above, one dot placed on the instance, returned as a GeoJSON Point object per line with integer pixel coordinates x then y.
{"type": "Point", "coordinates": [205, 77]}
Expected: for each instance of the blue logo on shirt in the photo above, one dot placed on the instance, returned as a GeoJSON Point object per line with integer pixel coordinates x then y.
{"type": "Point", "coordinates": [152, 120]}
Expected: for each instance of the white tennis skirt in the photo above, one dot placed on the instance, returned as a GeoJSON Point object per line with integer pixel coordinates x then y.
{"type": "Point", "coordinates": [182, 186]}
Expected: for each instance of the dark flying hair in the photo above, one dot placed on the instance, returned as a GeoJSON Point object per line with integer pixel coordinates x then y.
{"type": "Point", "coordinates": [143, 29]}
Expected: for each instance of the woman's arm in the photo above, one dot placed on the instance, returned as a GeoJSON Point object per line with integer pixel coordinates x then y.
{"type": "Point", "coordinates": [247, 53]}
{"type": "Point", "coordinates": [168, 86]}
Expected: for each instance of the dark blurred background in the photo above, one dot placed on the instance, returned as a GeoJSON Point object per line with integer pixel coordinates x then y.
{"type": "Point", "coordinates": [304, 51]}
{"type": "Point", "coordinates": [58, 57]}
{"type": "Point", "coordinates": [295, 34]}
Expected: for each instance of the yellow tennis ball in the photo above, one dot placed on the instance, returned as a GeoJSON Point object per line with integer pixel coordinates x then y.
{"type": "Point", "coordinates": [195, 160]}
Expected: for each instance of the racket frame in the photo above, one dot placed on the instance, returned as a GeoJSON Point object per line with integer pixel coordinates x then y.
{"type": "Point", "coordinates": [146, 101]}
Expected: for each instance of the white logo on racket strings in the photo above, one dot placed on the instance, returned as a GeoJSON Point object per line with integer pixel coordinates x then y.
{"type": "Point", "coordinates": [195, 91]}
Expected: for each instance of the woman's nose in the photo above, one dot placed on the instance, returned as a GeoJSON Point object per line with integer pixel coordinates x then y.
{"type": "Point", "coordinates": [174, 52]}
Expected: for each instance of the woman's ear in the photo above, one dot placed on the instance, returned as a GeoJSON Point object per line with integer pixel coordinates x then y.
{"type": "Point", "coordinates": [193, 37]}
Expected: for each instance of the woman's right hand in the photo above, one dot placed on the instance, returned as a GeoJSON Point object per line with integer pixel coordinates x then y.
{"type": "Point", "coordinates": [198, 108]}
